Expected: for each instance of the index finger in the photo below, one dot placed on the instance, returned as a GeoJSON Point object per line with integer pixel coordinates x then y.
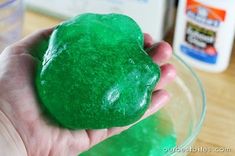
{"type": "Point", "coordinates": [35, 44]}
{"type": "Point", "coordinates": [35, 37]}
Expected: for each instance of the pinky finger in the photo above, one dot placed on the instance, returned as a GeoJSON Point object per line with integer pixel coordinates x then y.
{"type": "Point", "coordinates": [159, 99]}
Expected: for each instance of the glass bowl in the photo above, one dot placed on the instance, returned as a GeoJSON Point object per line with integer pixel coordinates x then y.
{"type": "Point", "coordinates": [186, 108]}
{"type": "Point", "coordinates": [169, 132]}
{"type": "Point", "coordinates": [11, 21]}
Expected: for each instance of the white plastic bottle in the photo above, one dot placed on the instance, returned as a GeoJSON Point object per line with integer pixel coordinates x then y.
{"type": "Point", "coordinates": [204, 33]}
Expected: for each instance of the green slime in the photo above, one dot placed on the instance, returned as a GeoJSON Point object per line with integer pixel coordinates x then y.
{"type": "Point", "coordinates": [95, 73]}
{"type": "Point", "coordinates": [150, 137]}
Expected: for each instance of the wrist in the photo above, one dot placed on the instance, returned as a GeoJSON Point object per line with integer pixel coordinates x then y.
{"type": "Point", "coordinates": [10, 141]}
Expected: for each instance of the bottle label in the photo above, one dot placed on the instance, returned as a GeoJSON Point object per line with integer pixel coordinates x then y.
{"type": "Point", "coordinates": [202, 25]}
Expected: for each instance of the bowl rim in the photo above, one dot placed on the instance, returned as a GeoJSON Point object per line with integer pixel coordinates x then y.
{"type": "Point", "coordinates": [199, 124]}
{"type": "Point", "coordinates": [16, 13]}
{"type": "Point", "coordinates": [6, 3]}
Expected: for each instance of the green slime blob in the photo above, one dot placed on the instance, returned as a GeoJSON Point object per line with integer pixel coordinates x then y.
{"type": "Point", "coordinates": [95, 73]}
{"type": "Point", "coordinates": [151, 137]}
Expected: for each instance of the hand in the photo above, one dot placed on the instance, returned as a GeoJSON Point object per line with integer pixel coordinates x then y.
{"type": "Point", "coordinates": [18, 99]}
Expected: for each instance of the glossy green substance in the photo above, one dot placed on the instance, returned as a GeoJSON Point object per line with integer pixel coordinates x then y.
{"type": "Point", "coordinates": [151, 137]}
{"type": "Point", "coordinates": [95, 73]}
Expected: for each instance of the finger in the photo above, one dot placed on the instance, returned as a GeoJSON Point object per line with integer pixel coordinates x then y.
{"type": "Point", "coordinates": [161, 52]}
{"type": "Point", "coordinates": [97, 136]}
{"type": "Point", "coordinates": [148, 41]}
{"type": "Point", "coordinates": [159, 99]}
{"type": "Point", "coordinates": [78, 141]}
{"type": "Point", "coordinates": [168, 74]}
{"type": "Point", "coordinates": [34, 44]}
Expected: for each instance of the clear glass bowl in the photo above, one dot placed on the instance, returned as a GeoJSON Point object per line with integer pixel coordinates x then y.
{"type": "Point", "coordinates": [11, 21]}
{"type": "Point", "coordinates": [187, 107]}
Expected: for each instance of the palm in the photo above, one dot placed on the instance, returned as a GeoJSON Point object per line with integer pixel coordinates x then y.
{"type": "Point", "coordinates": [22, 108]}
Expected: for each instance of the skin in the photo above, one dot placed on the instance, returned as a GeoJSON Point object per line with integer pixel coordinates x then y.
{"type": "Point", "coordinates": [18, 99]}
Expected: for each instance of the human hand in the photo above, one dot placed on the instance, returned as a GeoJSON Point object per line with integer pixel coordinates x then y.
{"type": "Point", "coordinates": [19, 103]}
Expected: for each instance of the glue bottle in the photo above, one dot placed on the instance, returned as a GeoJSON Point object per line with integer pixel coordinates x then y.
{"type": "Point", "coordinates": [204, 33]}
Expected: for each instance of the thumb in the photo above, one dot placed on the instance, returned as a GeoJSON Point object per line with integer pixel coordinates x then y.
{"type": "Point", "coordinates": [36, 43]}
{"type": "Point", "coordinates": [36, 37]}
